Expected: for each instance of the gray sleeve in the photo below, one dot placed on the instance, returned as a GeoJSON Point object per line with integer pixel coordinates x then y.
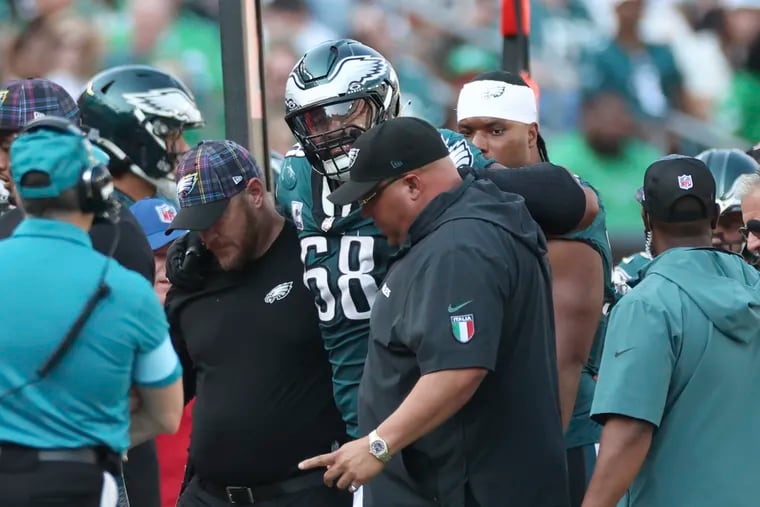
{"type": "Point", "coordinates": [454, 313]}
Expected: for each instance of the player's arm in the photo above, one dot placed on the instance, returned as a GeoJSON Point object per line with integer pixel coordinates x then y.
{"type": "Point", "coordinates": [157, 377]}
{"type": "Point", "coordinates": [631, 393]}
{"type": "Point", "coordinates": [624, 446]}
{"type": "Point", "coordinates": [578, 297]}
{"type": "Point", "coordinates": [553, 196]}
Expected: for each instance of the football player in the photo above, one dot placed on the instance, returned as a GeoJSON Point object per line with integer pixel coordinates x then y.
{"type": "Point", "coordinates": [498, 112]}
{"type": "Point", "coordinates": [140, 114]}
{"type": "Point", "coordinates": [726, 165]}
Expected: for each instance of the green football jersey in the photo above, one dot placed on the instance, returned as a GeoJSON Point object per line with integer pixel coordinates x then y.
{"type": "Point", "coordinates": [582, 430]}
{"type": "Point", "coordinates": [345, 260]}
{"type": "Point", "coordinates": [627, 274]}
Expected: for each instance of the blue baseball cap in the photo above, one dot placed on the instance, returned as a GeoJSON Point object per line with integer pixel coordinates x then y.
{"type": "Point", "coordinates": [154, 216]}
{"type": "Point", "coordinates": [63, 156]}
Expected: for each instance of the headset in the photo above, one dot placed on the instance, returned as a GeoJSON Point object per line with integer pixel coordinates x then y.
{"type": "Point", "coordinates": [95, 185]}
{"type": "Point", "coordinates": [95, 190]}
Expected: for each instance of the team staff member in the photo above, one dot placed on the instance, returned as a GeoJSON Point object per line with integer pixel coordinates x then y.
{"type": "Point", "coordinates": [66, 423]}
{"type": "Point", "coordinates": [461, 338]}
{"type": "Point", "coordinates": [748, 191]}
{"type": "Point", "coordinates": [22, 101]}
{"type": "Point", "coordinates": [154, 216]}
{"type": "Point", "coordinates": [498, 112]}
{"type": "Point", "coordinates": [682, 352]}
{"type": "Point", "coordinates": [250, 344]}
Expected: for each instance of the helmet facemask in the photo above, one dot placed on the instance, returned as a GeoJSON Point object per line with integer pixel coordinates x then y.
{"type": "Point", "coordinates": [327, 130]}
{"type": "Point", "coordinates": [726, 235]}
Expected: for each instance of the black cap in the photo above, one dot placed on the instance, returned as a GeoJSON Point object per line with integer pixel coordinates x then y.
{"type": "Point", "coordinates": [388, 150]}
{"type": "Point", "coordinates": [671, 178]}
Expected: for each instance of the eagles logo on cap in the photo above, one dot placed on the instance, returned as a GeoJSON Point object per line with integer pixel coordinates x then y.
{"type": "Point", "coordinates": [187, 184]}
{"type": "Point", "coordinates": [3, 94]}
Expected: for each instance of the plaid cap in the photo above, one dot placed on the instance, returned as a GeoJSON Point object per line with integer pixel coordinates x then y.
{"type": "Point", "coordinates": [24, 100]}
{"type": "Point", "coordinates": [208, 176]}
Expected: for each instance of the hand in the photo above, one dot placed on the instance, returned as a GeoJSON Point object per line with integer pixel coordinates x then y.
{"type": "Point", "coordinates": [188, 262]}
{"type": "Point", "coordinates": [351, 466]}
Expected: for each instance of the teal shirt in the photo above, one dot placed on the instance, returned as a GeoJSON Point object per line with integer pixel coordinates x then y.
{"type": "Point", "coordinates": [683, 353]}
{"type": "Point", "coordinates": [345, 259]}
{"type": "Point", "coordinates": [582, 430]}
{"type": "Point", "coordinates": [49, 271]}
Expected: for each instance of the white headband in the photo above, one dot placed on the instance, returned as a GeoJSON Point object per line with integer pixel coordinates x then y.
{"type": "Point", "coordinates": [496, 99]}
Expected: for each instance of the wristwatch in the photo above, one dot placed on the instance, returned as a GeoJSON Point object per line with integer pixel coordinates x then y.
{"type": "Point", "coordinates": [378, 447]}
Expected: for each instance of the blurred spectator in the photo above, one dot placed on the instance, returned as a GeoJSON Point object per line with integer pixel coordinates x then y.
{"type": "Point", "coordinates": [696, 34]}
{"type": "Point", "coordinates": [560, 30]}
{"type": "Point", "coordinates": [606, 153]}
{"type": "Point", "coordinates": [31, 53]}
{"type": "Point", "coordinates": [77, 54]}
{"type": "Point", "coordinates": [646, 74]}
{"type": "Point", "coordinates": [174, 37]}
{"type": "Point", "coordinates": [741, 110]}
{"type": "Point", "coordinates": [292, 17]}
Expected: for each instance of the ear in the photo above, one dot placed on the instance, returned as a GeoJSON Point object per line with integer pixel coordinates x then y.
{"type": "Point", "coordinates": [645, 219]}
{"type": "Point", "coordinates": [255, 190]}
{"type": "Point", "coordinates": [715, 216]}
{"type": "Point", "coordinates": [413, 186]}
{"type": "Point", "coordinates": [532, 135]}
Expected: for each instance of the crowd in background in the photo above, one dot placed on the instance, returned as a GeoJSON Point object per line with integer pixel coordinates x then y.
{"type": "Point", "coordinates": [621, 81]}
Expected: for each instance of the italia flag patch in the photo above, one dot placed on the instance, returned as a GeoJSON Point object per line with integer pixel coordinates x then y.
{"type": "Point", "coordinates": [463, 327]}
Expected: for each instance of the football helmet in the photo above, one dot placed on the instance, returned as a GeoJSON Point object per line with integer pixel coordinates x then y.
{"type": "Point", "coordinates": [335, 92]}
{"type": "Point", "coordinates": [726, 165]}
{"type": "Point", "coordinates": [135, 110]}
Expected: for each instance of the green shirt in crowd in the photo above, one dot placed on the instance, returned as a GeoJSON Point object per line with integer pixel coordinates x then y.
{"type": "Point", "coordinates": [616, 179]}
{"type": "Point", "coordinates": [682, 352]}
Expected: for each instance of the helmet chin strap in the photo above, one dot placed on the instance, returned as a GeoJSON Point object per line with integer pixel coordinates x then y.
{"type": "Point", "coordinates": [165, 187]}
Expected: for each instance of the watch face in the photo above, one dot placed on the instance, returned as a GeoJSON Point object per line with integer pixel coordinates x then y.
{"type": "Point", "coordinates": [378, 447]}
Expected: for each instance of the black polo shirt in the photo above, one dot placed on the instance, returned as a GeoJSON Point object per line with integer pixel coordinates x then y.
{"type": "Point", "coordinates": [254, 359]}
{"type": "Point", "coordinates": [470, 289]}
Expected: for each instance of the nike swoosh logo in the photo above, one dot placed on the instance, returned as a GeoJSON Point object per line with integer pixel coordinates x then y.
{"type": "Point", "coordinates": [621, 352]}
{"type": "Point", "coordinates": [452, 309]}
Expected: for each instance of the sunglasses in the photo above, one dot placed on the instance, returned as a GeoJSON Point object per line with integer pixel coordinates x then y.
{"type": "Point", "coordinates": [752, 227]}
{"type": "Point", "coordinates": [379, 189]}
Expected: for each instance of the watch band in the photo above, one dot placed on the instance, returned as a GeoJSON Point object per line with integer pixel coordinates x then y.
{"type": "Point", "coordinates": [379, 447]}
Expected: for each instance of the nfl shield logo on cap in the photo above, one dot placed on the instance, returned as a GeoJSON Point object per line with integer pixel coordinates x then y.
{"type": "Point", "coordinates": [685, 182]}
{"type": "Point", "coordinates": [463, 327]}
{"type": "Point", "coordinates": [165, 213]}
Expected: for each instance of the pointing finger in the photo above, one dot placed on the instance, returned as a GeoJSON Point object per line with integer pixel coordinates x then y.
{"type": "Point", "coordinates": [323, 460]}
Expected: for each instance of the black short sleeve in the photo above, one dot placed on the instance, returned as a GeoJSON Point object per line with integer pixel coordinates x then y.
{"type": "Point", "coordinates": [554, 198]}
{"type": "Point", "coordinates": [454, 313]}
{"type": "Point", "coordinates": [133, 251]}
